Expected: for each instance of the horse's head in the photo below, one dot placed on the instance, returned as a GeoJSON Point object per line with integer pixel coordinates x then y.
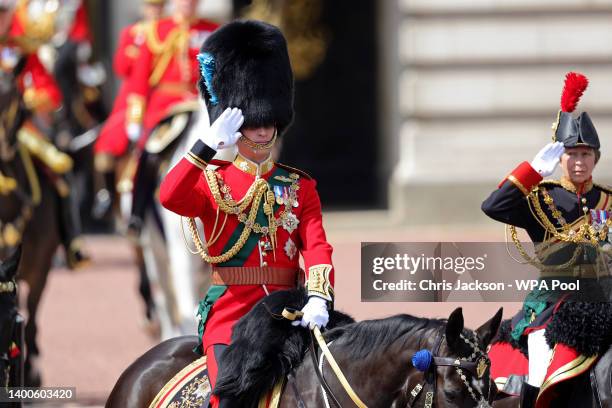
{"type": "Point", "coordinates": [453, 369]}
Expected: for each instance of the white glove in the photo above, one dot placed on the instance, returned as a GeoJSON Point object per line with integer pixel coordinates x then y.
{"type": "Point", "coordinates": [133, 131]}
{"type": "Point", "coordinates": [223, 133]}
{"type": "Point", "coordinates": [547, 159]}
{"type": "Point", "coordinates": [315, 313]}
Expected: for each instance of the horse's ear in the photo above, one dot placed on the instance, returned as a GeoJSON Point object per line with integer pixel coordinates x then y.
{"type": "Point", "coordinates": [8, 268]}
{"type": "Point", "coordinates": [454, 327]}
{"type": "Point", "coordinates": [487, 331]}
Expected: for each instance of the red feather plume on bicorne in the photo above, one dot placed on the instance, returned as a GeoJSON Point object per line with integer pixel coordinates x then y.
{"type": "Point", "coordinates": [575, 84]}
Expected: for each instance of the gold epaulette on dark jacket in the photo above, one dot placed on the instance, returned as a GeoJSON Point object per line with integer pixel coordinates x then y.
{"type": "Point", "coordinates": [550, 183]}
{"type": "Point", "coordinates": [294, 170]}
{"type": "Point", "coordinates": [606, 189]}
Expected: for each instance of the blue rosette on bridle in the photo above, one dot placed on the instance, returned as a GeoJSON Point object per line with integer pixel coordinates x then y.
{"type": "Point", "coordinates": [207, 69]}
{"type": "Point", "coordinates": [421, 360]}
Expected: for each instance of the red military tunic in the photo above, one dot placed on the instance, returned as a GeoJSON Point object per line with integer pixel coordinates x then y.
{"type": "Point", "coordinates": [166, 71]}
{"type": "Point", "coordinates": [113, 138]}
{"type": "Point", "coordinates": [33, 27]}
{"type": "Point", "coordinates": [37, 86]}
{"type": "Point", "coordinates": [29, 30]}
{"type": "Point", "coordinates": [186, 191]}
{"type": "Point", "coordinates": [40, 91]}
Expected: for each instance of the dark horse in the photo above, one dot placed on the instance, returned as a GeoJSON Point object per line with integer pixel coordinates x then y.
{"type": "Point", "coordinates": [375, 356]}
{"type": "Point", "coordinates": [28, 211]}
{"type": "Point", "coordinates": [11, 326]}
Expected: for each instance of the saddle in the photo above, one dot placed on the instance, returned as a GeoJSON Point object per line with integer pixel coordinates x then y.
{"type": "Point", "coordinates": [190, 387]}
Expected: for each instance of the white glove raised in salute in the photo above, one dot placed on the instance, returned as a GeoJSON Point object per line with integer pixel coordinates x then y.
{"type": "Point", "coordinates": [547, 159]}
{"type": "Point", "coordinates": [223, 133]}
{"type": "Point", "coordinates": [315, 313]}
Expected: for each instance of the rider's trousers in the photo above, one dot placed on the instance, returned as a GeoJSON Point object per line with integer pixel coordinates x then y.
{"type": "Point", "coordinates": [213, 359]}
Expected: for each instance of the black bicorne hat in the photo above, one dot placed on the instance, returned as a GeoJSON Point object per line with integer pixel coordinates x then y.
{"type": "Point", "coordinates": [245, 64]}
{"type": "Point", "coordinates": [580, 131]}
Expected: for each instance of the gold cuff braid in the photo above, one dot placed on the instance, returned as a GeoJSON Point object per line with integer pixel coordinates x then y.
{"type": "Point", "coordinates": [318, 283]}
{"type": "Point", "coordinates": [518, 184]}
{"type": "Point", "coordinates": [135, 108]}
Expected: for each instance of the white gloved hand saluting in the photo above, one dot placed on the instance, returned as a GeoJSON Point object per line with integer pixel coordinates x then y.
{"type": "Point", "coordinates": [223, 133]}
{"type": "Point", "coordinates": [315, 313]}
{"type": "Point", "coordinates": [547, 159]}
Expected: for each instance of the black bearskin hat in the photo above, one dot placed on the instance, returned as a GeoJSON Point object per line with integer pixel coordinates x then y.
{"type": "Point", "coordinates": [245, 64]}
{"type": "Point", "coordinates": [572, 131]}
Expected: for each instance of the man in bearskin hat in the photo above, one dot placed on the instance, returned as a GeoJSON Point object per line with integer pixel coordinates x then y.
{"type": "Point", "coordinates": [568, 221]}
{"type": "Point", "coordinates": [258, 215]}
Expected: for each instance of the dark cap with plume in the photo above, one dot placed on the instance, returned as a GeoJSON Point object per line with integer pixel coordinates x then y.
{"type": "Point", "coordinates": [245, 64]}
{"type": "Point", "coordinates": [571, 131]}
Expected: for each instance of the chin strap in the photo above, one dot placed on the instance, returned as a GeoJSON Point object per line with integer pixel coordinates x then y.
{"type": "Point", "coordinates": [258, 146]}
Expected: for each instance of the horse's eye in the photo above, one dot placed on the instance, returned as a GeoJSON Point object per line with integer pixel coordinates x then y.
{"type": "Point", "coordinates": [452, 395]}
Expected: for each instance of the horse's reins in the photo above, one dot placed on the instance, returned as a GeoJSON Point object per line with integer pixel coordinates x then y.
{"type": "Point", "coordinates": [317, 338]}
{"type": "Point", "coordinates": [475, 368]}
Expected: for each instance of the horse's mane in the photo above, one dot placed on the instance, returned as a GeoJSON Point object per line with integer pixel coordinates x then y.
{"type": "Point", "coordinates": [364, 336]}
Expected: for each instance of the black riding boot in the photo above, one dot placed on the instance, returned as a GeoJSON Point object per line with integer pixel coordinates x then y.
{"type": "Point", "coordinates": [144, 189]}
{"type": "Point", "coordinates": [529, 394]}
{"type": "Point", "coordinates": [70, 225]}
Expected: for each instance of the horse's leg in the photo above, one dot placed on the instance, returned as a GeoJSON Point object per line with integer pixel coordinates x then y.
{"type": "Point", "coordinates": [156, 262]}
{"type": "Point", "coordinates": [38, 250]}
{"type": "Point", "coordinates": [36, 269]}
{"type": "Point", "coordinates": [142, 380]}
{"type": "Point", "coordinates": [144, 288]}
{"type": "Point", "coordinates": [183, 269]}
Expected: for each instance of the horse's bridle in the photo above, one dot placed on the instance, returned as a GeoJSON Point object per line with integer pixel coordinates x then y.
{"type": "Point", "coordinates": [475, 368]}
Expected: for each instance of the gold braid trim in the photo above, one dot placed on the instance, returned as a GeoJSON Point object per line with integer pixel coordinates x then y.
{"type": "Point", "coordinates": [229, 207]}
{"type": "Point", "coordinates": [164, 51]}
{"type": "Point", "coordinates": [135, 108]}
{"type": "Point", "coordinates": [518, 184]}
{"type": "Point", "coordinates": [535, 261]}
{"type": "Point", "coordinates": [585, 234]}
{"type": "Point", "coordinates": [319, 283]}
{"type": "Point", "coordinates": [244, 236]}
{"type": "Point", "coordinates": [7, 184]}
{"type": "Point", "coordinates": [258, 191]}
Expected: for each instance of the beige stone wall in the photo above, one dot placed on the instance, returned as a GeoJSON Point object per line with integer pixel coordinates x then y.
{"type": "Point", "coordinates": [477, 89]}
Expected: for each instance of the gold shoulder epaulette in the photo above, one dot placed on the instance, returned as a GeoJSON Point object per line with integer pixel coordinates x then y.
{"type": "Point", "coordinates": [294, 170]}
{"type": "Point", "coordinates": [550, 183]}
{"type": "Point", "coordinates": [604, 188]}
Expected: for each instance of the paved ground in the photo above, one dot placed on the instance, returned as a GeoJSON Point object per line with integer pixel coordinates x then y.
{"type": "Point", "coordinates": [91, 320]}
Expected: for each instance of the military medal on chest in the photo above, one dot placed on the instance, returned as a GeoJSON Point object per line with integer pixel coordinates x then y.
{"type": "Point", "coordinates": [600, 222]}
